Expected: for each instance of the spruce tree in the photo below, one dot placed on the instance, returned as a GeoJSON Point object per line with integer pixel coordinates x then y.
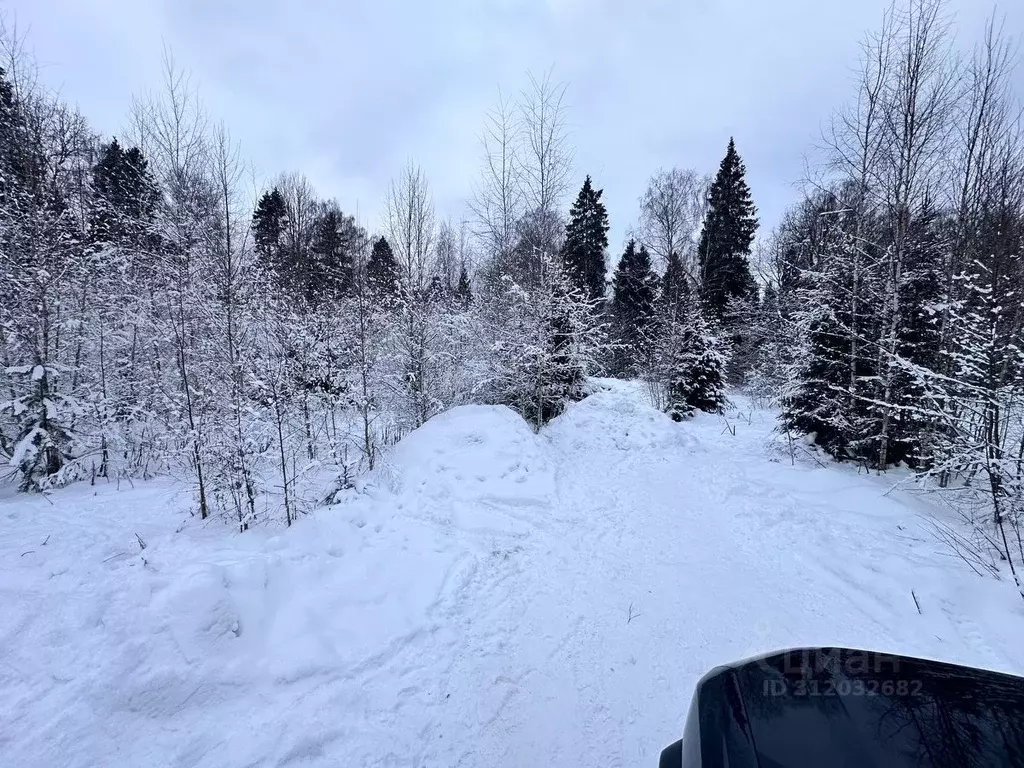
{"type": "Point", "coordinates": [562, 377]}
{"type": "Point", "coordinates": [124, 197]}
{"type": "Point", "coordinates": [693, 360]}
{"type": "Point", "coordinates": [107, 183]}
{"type": "Point", "coordinates": [463, 290]}
{"type": "Point", "coordinates": [382, 271]}
{"type": "Point", "coordinates": [8, 135]}
{"type": "Point", "coordinates": [769, 301]}
{"type": "Point", "coordinates": [42, 444]}
{"type": "Point", "coordinates": [541, 342]}
{"type": "Point", "coordinates": [569, 336]}
{"type": "Point", "coordinates": [919, 296]}
{"type": "Point", "coordinates": [633, 304]}
{"type": "Point", "coordinates": [816, 402]}
{"type": "Point", "coordinates": [831, 371]}
{"type": "Point", "coordinates": [21, 152]}
{"type": "Point", "coordinates": [331, 273]}
{"type": "Point", "coordinates": [868, 316]}
{"type": "Point", "coordinates": [268, 224]}
{"type": "Point", "coordinates": [772, 349]}
{"type": "Point", "coordinates": [436, 291]}
{"type": "Point", "coordinates": [675, 286]}
{"type": "Point", "coordinates": [726, 238]}
{"type": "Point", "coordinates": [41, 257]}
{"type": "Point", "coordinates": [586, 239]}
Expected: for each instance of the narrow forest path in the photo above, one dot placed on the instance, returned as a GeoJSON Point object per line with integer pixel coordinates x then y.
{"type": "Point", "coordinates": [671, 548]}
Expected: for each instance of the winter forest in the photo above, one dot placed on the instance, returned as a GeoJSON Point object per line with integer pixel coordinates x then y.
{"type": "Point", "coordinates": [160, 314]}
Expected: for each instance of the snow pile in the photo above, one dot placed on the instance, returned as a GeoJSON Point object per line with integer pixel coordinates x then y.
{"type": "Point", "coordinates": [611, 421]}
{"type": "Point", "coordinates": [475, 455]}
{"type": "Point", "coordinates": [505, 598]}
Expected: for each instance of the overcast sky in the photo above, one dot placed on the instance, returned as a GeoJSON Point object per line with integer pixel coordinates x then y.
{"type": "Point", "coordinates": [346, 92]}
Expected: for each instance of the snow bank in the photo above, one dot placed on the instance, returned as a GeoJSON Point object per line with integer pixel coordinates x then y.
{"type": "Point", "coordinates": [617, 420]}
{"type": "Point", "coordinates": [479, 468]}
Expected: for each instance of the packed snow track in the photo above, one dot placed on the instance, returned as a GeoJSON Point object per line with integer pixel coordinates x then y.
{"type": "Point", "coordinates": [491, 597]}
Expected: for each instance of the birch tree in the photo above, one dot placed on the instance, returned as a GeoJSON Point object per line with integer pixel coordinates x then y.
{"type": "Point", "coordinates": [671, 211]}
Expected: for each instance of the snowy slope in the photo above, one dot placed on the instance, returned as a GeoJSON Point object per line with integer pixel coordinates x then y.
{"type": "Point", "coordinates": [492, 597]}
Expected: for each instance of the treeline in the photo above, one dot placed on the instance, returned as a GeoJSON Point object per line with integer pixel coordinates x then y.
{"type": "Point", "coordinates": [158, 318]}
{"type": "Point", "coordinates": [894, 334]}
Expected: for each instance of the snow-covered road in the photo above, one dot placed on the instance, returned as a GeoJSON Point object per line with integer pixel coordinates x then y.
{"type": "Point", "coordinates": [494, 597]}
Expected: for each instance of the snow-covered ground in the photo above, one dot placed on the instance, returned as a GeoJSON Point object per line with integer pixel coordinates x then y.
{"type": "Point", "coordinates": [492, 597]}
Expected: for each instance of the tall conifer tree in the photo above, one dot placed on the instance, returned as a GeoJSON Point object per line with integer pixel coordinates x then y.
{"type": "Point", "coordinates": [268, 226]}
{"type": "Point", "coordinates": [382, 272]}
{"type": "Point", "coordinates": [726, 238]}
{"type": "Point", "coordinates": [635, 291]}
{"type": "Point", "coordinates": [586, 239]}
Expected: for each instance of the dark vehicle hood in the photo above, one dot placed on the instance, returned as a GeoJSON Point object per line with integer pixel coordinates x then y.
{"type": "Point", "coordinates": [844, 708]}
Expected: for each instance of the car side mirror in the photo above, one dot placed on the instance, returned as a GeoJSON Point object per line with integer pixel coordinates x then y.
{"type": "Point", "coordinates": [672, 755]}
